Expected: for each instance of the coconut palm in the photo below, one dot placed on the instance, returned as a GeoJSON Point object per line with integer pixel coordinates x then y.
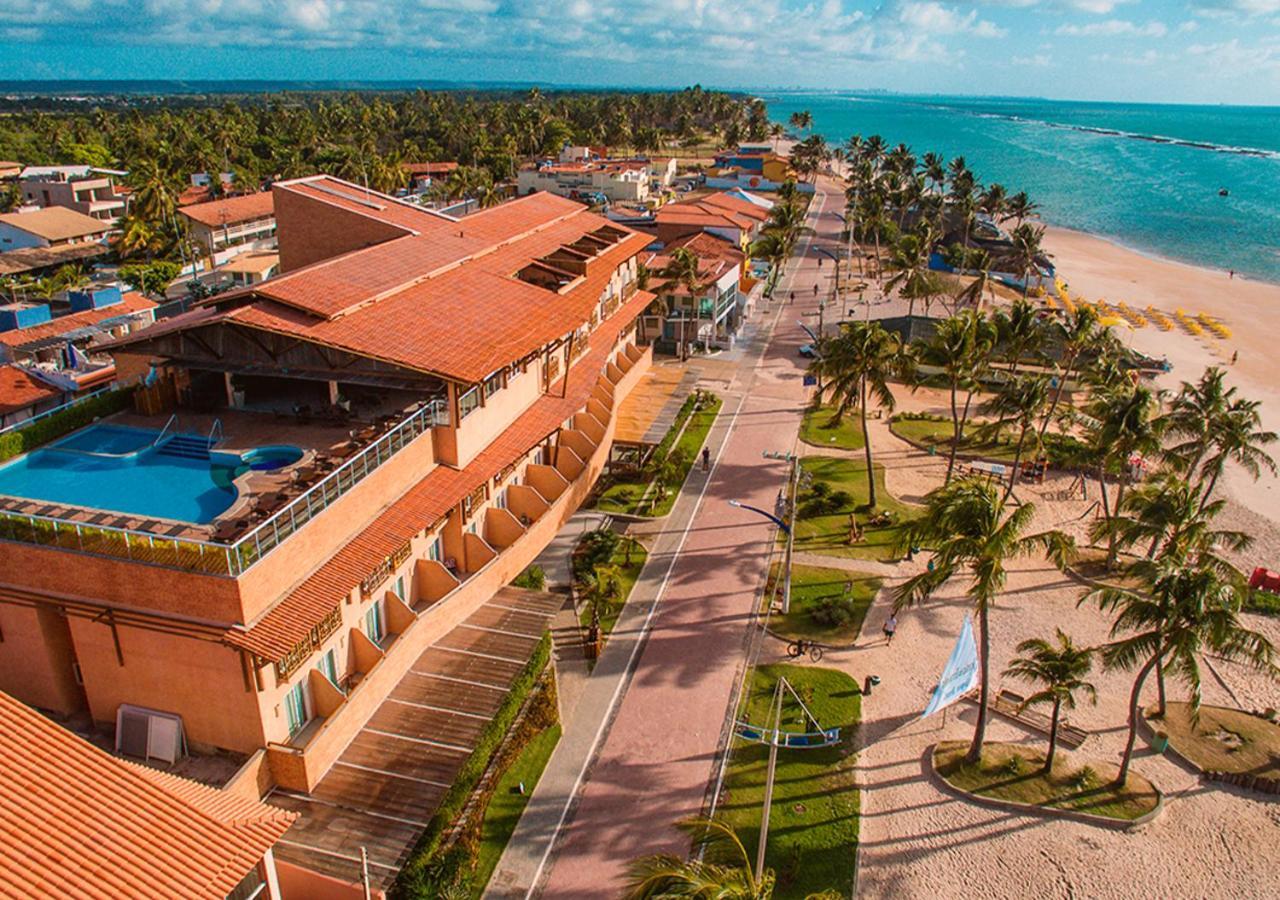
{"type": "Point", "coordinates": [1081, 332]}
{"type": "Point", "coordinates": [1020, 332]}
{"type": "Point", "coordinates": [1121, 424]}
{"type": "Point", "coordinates": [1191, 415]}
{"type": "Point", "coordinates": [1060, 668]}
{"type": "Point", "coordinates": [801, 120]}
{"type": "Point", "coordinates": [1177, 613]}
{"type": "Point", "coordinates": [1018, 402]}
{"type": "Point", "coordinates": [909, 263]}
{"type": "Point", "coordinates": [1238, 436]}
{"type": "Point", "coordinates": [960, 346]}
{"type": "Point", "coordinates": [1019, 208]}
{"type": "Point", "coordinates": [723, 872]}
{"type": "Point", "coordinates": [776, 133]}
{"type": "Point", "coordinates": [855, 367]}
{"type": "Point", "coordinates": [600, 588]}
{"type": "Point", "coordinates": [965, 520]}
{"type": "Point", "coordinates": [1027, 251]}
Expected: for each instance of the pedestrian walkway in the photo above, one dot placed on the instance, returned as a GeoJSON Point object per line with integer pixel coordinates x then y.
{"type": "Point", "coordinates": [646, 739]}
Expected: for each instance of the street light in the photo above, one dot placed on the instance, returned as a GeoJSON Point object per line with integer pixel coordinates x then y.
{"type": "Point", "coordinates": [781, 522]}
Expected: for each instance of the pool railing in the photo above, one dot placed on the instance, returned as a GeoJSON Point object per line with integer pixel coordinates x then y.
{"type": "Point", "coordinates": [216, 557]}
{"type": "Point", "coordinates": [72, 404]}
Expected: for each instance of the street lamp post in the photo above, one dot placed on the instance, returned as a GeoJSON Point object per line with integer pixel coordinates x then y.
{"type": "Point", "coordinates": [789, 511]}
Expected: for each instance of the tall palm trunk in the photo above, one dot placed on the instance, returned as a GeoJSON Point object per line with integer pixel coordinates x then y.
{"type": "Point", "coordinates": [984, 686]}
{"type": "Point", "coordinates": [1134, 712]}
{"type": "Point", "coordinates": [955, 435]}
{"type": "Point", "coordinates": [866, 445]}
{"type": "Point", "coordinates": [1213, 483]}
{"type": "Point", "coordinates": [1057, 396]}
{"type": "Point", "coordinates": [1102, 489]}
{"type": "Point", "coordinates": [1160, 701]}
{"type": "Point", "coordinates": [1113, 548]}
{"type": "Point", "coordinates": [1017, 461]}
{"type": "Point", "coordinates": [1053, 735]}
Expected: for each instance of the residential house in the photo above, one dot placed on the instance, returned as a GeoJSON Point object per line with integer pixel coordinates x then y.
{"type": "Point", "coordinates": [82, 823]}
{"type": "Point", "coordinates": [23, 395]}
{"type": "Point", "coordinates": [751, 168]}
{"type": "Point", "coordinates": [251, 268]}
{"type": "Point", "coordinates": [53, 226]}
{"type": "Point", "coordinates": [9, 170]}
{"type": "Point", "coordinates": [721, 214]}
{"type": "Point", "coordinates": [400, 421]}
{"type": "Point", "coordinates": [712, 315]}
{"type": "Point", "coordinates": [617, 181]}
{"type": "Point", "coordinates": [33, 337]}
{"type": "Point", "coordinates": [226, 228]}
{"type": "Point", "coordinates": [87, 190]}
{"type": "Point", "coordinates": [423, 175]}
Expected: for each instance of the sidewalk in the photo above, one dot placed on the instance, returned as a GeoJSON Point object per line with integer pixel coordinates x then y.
{"type": "Point", "coordinates": [645, 738]}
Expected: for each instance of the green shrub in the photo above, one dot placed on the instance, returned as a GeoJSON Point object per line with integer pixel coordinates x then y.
{"type": "Point", "coordinates": [834, 612]}
{"type": "Point", "coordinates": [1262, 602]}
{"type": "Point", "coordinates": [55, 426]}
{"type": "Point", "coordinates": [531, 579]}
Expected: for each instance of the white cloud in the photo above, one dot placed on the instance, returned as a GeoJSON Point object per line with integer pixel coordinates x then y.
{"type": "Point", "coordinates": [1113, 28]}
{"type": "Point", "coordinates": [935, 18]}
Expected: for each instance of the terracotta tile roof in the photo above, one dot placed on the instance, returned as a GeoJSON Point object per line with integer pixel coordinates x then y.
{"type": "Point", "coordinates": [194, 193]}
{"type": "Point", "coordinates": [713, 211]}
{"type": "Point", "coordinates": [726, 200]}
{"type": "Point", "coordinates": [20, 389]}
{"type": "Point", "coordinates": [131, 302]}
{"type": "Point", "coordinates": [429, 168]}
{"type": "Point", "coordinates": [56, 223]}
{"type": "Point", "coordinates": [78, 822]}
{"type": "Point", "coordinates": [277, 632]}
{"type": "Point", "coordinates": [232, 210]}
{"type": "Point", "coordinates": [29, 259]}
{"type": "Point", "coordinates": [708, 246]}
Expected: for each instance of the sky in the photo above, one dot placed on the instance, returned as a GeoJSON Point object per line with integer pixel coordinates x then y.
{"type": "Point", "coordinates": [1186, 51]}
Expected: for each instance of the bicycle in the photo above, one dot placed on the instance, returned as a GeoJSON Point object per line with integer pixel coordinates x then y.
{"type": "Point", "coordinates": [796, 649]}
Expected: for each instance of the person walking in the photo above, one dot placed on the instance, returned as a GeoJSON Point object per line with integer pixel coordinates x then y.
{"type": "Point", "coordinates": [890, 628]}
{"type": "Point", "coordinates": [815, 290]}
{"type": "Point", "coordinates": [793, 297]}
{"type": "Point", "coordinates": [706, 459]}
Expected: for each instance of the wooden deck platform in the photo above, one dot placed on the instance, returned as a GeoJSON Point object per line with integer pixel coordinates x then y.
{"type": "Point", "coordinates": [649, 410]}
{"type": "Point", "coordinates": [384, 789]}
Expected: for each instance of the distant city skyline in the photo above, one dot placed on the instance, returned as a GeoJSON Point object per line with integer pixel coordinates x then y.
{"type": "Point", "coordinates": [1198, 51]}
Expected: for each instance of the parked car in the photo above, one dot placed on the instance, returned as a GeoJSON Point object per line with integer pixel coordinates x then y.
{"type": "Point", "coordinates": [807, 351]}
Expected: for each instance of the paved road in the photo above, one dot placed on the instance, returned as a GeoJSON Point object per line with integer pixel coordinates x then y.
{"type": "Point", "coordinates": [645, 739]}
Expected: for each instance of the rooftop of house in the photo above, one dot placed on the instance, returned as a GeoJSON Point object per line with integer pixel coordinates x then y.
{"type": "Point", "coordinates": [232, 210]}
{"type": "Point", "coordinates": [721, 210]}
{"type": "Point", "coordinates": [446, 297]}
{"type": "Point", "coordinates": [80, 822]}
{"type": "Point", "coordinates": [716, 256]}
{"type": "Point", "coordinates": [255, 262]}
{"type": "Point", "coordinates": [429, 168]}
{"type": "Point", "coordinates": [609, 166]}
{"type": "Point", "coordinates": [67, 173]}
{"type": "Point", "coordinates": [33, 259]}
{"type": "Point", "coordinates": [20, 389]}
{"type": "Point", "coordinates": [56, 223]}
{"type": "Point", "coordinates": [130, 303]}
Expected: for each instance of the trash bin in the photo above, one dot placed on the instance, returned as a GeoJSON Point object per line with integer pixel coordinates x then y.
{"type": "Point", "coordinates": [868, 683]}
{"type": "Point", "coordinates": [1160, 742]}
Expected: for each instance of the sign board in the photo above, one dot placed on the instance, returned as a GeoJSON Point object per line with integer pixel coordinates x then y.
{"type": "Point", "coordinates": [960, 674]}
{"type": "Point", "coordinates": [810, 380]}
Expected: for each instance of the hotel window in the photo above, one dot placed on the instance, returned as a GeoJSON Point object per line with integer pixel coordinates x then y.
{"type": "Point", "coordinates": [373, 621]}
{"type": "Point", "coordinates": [515, 371]}
{"type": "Point", "coordinates": [295, 705]}
{"type": "Point", "coordinates": [328, 667]}
{"type": "Point", "coordinates": [468, 402]}
{"type": "Point", "coordinates": [433, 549]}
{"type": "Point", "coordinates": [500, 501]}
{"type": "Point", "coordinates": [492, 385]}
{"type": "Point", "coordinates": [399, 589]}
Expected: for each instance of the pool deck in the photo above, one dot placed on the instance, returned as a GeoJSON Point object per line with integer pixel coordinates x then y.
{"type": "Point", "coordinates": [323, 444]}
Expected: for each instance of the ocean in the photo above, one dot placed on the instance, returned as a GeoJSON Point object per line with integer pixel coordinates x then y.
{"type": "Point", "coordinates": [1144, 175]}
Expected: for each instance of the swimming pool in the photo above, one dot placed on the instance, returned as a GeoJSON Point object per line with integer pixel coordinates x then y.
{"type": "Point", "coordinates": [118, 468]}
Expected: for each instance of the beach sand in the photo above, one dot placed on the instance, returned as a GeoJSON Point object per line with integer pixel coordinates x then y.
{"type": "Point", "coordinates": [1097, 268]}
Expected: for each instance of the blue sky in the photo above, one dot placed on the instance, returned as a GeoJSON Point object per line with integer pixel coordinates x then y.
{"type": "Point", "coordinates": [1212, 51]}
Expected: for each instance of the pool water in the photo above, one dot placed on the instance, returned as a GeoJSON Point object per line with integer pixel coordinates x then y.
{"type": "Point", "coordinates": [112, 467]}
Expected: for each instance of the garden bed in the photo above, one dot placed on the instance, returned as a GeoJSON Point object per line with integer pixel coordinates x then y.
{"type": "Point", "coordinates": [827, 605]}
{"type": "Point", "coordinates": [1223, 740]}
{"type": "Point", "coordinates": [824, 527]}
{"type": "Point", "coordinates": [820, 429]}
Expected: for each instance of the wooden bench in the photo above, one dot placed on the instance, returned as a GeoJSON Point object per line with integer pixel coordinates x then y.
{"type": "Point", "coordinates": [1009, 705]}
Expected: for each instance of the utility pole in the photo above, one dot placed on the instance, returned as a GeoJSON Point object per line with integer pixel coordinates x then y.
{"type": "Point", "coordinates": [776, 709]}
{"type": "Point", "coordinates": [793, 480]}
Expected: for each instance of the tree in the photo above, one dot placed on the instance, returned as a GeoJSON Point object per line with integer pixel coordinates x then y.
{"type": "Point", "coordinates": [1060, 668]}
{"type": "Point", "coordinates": [724, 872]}
{"type": "Point", "coordinates": [153, 278]}
{"type": "Point", "coordinates": [855, 367]}
{"type": "Point", "coordinates": [1019, 332]}
{"type": "Point", "coordinates": [1019, 208]}
{"type": "Point", "coordinates": [1123, 424]}
{"type": "Point", "coordinates": [965, 520]}
{"type": "Point", "coordinates": [600, 588]}
{"type": "Point", "coordinates": [801, 120]}
{"type": "Point", "coordinates": [1238, 436]}
{"type": "Point", "coordinates": [960, 346]}
{"type": "Point", "coordinates": [1081, 332]}
{"type": "Point", "coordinates": [1177, 613]}
{"type": "Point", "coordinates": [1019, 402]}
{"type": "Point", "coordinates": [909, 263]}
{"type": "Point", "coordinates": [1027, 251]}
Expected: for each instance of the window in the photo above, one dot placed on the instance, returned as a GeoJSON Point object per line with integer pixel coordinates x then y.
{"type": "Point", "coordinates": [328, 667]}
{"type": "Point", "coordinates": [515, 371]}
{"type": "Point", "coordinates": [492, 385]}
{"type": "Point", "coordinates": [468, 402]}
{"type": "Point", "coordinates": [433, 551]}
{"type": "Point", "coordinates": [399, 588]}
{"type": "Point", "coordinates": [295, 704]}
{"type": "Point", "coordinates": [373, 620]}
{"type": "Point", "coordinates": [500, 501]}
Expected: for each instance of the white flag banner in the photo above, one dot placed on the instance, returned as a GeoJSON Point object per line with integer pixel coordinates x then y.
{"type": "Point", "coordinates": [961, 672]}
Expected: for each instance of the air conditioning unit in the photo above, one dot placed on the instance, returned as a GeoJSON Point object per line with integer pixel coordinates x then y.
{"type": "Point", "coordinates": [149, 734]}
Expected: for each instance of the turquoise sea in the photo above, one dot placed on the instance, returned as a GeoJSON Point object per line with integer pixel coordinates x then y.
{"type": "Point", "coordinates": [1144, 175]}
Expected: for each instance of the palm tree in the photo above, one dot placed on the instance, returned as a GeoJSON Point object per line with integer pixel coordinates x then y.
{"type": "Point", "coordinates": [724, 872]}
{"type": "Point", "coordinates": [1019, 208]}
{"type": "Point", "coordinates": [1027, 252]}
{"type": "Point", "coordinates": [600, 588]}
{"type": "Point", "coordinates": [1122, 423]}
{"type": "Point", "coordinates": [909, 263]}
{"type": "Point", "coordinates": [776, 133]}
{"type": "Point", "coordinates": [1238, 436]}
{"type": "Point", "coordinates": [1081, 332]}
{"type": "Point", "coordinates": [960, 346]}
{"type": "Point", "coordinates": [965, 520]}
{"type": "Point", "coordinates": [1020, 332]}
{"type": "Point", "coordinates": [1020, 402]}
{"type": "Point", "coordinates": [1191, 417]}
{"type": "Point", "coordinates": [1061, 668]}
{"type": "Point", "coordinates": [801, 120]}
{"type": "Point", "coordinates": [855, 367]}
{"type": "Point", "coordinates": [1178, 613]}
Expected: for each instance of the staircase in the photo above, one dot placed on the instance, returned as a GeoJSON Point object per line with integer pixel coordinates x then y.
{"type": "Point", "coordinates": [186, 446]}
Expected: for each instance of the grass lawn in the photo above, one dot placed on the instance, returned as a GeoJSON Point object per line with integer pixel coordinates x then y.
{"type": "Point", "coordinates": [819, 429]}
{"type": "Point", "coordinates": [507, 803]}
{"type": "Point", "coordinates": [813, 825]}
{"type": "Point", "coordinates": [627, 575]}
{"type": "Point", "coordinates": [1013, 772]}
{"type": "Point", "coordinates": [1224, 740]}
{"type": "Point", "coordinates": [937, 433]}
{"type": "Point", "coordinates": [624, 495]}
{"type": "Point", "coordinates": [812, 589]}
{"type": "Point", "coordinates": [828, 533]}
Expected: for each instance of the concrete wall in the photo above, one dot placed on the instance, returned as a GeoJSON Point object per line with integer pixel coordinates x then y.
{"type": "Point", "coordinates": [297, 883]}
{"type": "Point", "coordinates": [35, 659]}
{"type": "Point", "coordinates": [305, 238]}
